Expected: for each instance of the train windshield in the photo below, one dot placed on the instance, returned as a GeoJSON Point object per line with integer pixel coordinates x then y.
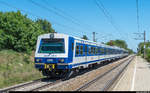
{"type": "Point", "coordinates": [52, 46]}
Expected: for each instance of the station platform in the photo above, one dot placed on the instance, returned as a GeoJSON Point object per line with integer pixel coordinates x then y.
{"type": "Point", "coordinates": [136, 77]}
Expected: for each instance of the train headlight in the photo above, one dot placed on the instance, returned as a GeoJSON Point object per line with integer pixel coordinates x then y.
{"type": "Point", "coordinates": [61, 60]}
{"type": "Point", "coordinates": [38, 60]}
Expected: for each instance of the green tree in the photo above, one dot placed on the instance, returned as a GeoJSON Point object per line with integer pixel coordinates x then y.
{"type": "Point", "coordinates": [20, 33]}
{"type": "Point", "coordinates": [1, 39]}
{"type": "Point", "coordinates": [148, 54]}
{"type": "Point", "coordinates": [130, 51]}
{"type": "Point", "coordinates": [147, 50]}
{"type": "Point", "coordinates": [45, 25]}
{"type": "Point", "coordinates": [119, 43]}
{"type": "Point", "coordinates": [85, 37]}
{"type": "Point", "coordinates": [111, 43]}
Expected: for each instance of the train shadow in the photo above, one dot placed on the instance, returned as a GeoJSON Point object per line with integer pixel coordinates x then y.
{"type": "Point", "coordinates": [81, 71]}
{"type": "Point", "coordinates": [49, 79]}
{"type": "Point", "coordinates": [102, 64]}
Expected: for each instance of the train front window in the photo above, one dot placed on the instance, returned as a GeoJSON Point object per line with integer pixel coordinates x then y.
{"type": "Point", "coordinates": [52, 46]}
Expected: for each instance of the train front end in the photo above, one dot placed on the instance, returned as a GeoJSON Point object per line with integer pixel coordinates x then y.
{"type": "Point", "coordinates": [53, 54]}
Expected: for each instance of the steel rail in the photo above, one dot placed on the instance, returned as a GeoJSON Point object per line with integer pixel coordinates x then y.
{"type": "Point", "coordinates": [13, 88]}
{"type": "Point", "coordinates": [46, 85]}
{"type": "Point", "coordinates": [30, 84]}
{"type": "Point", "coordinates": [19, 86]}
{"type": "Point", "coordinates": [99, 77]}
{"type": "Point", "coordinates": [111, 82]}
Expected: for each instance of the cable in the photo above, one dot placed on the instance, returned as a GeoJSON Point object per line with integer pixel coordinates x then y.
{"type": "Point", "coordinates": [9, 5]}
{"type": "Point", "coordinates": [58, 14]}
{"type": "Point", "coordinates": [4, 3]}
{"type": "Point", "coordinates": [50, 10]}
{"type": "Point", "coordinates": [63, 12]}
{"type": "Point", "coordinates": [62, 25]}
{"type": "Point", "coordinates": [57, 9]}
{"type": "Point", "coordinates": [107, 15]}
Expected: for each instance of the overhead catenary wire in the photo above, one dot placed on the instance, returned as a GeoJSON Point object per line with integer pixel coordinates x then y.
{"type": "Point", "coordinates": [60, 11]}
{"type": "Point", "coordinates": [58, 14]}
{"type": "Point", "coordinates": [66, 14]}
{"type": "Point", "coordinates": [34, 15]}
{"type": "Point", "coordinates": [109, 18]}
{"type": "Point", "coordinates": [63, 15]}
{"type": "Point", "coordinates": [54, 22]}
{"type": "Point", "coordinates": [50, 10]}
{"type": "Point", "coordinates": [11, 6]}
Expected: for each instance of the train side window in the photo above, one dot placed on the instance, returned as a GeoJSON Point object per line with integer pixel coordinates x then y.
{"type": "Point", "coordinates": [72, 46]}
{"type": "Point", "coordinates": [77, 49]}
{"type": "Point", "coordinates": [81, 50]}
{"type": "Point", "coordinates": [102, 50]}
{"type": "Point", "coordinates": [106, 51]}
{"type": "Point", "coordinates": [116, 51]}
{"type": "Point", "coordinates": [96, 50]}
{"type": "Point", "coordinates": [91, 50]}
{"type": "Point", "coordinates": [111, 51]}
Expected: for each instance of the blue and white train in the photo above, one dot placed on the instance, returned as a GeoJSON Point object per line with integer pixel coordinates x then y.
{"type": "Point", "coordinates": [60, 55]}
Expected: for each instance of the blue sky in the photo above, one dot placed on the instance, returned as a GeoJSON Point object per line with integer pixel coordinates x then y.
{"type": "Point", "coordinates": [88, 17]}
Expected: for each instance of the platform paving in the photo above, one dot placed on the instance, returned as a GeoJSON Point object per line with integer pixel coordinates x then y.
{"type": "Point", "coordinates": [136, 77]}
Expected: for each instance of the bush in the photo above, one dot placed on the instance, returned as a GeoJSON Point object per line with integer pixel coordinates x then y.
{"type": "Point", "coordinates": [148, 55]}
{"type": "Point", "coordinates": [20, 33]}
{"type": "Point", "coordinates": [27, 58]}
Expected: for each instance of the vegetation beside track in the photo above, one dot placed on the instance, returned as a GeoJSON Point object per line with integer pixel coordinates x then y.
{"type": "Point", "coordinates": [19, 33]}
{"type": "Point", "coordinates": [147, 50]}
{"type": "Point", "coordinates": [16, 68]}
{"type": "Point", "coordinates": [18, 37]}
{"type": "Point", "coordinates": [121, 44]}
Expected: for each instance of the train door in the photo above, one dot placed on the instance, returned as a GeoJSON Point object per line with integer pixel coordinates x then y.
{"type": "Point", "coordinates": [98, 49]}
{"type": "Point", "coordinates": [71, 49]}
{"type": "Point", "coordinates": [86, 52]}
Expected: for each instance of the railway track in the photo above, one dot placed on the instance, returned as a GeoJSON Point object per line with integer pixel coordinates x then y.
{"type": "Point", "coordinates": [42, 84]}
{"type": "Point", "coordinates": [105, 86]}
{"type": "Point", "coordinates": [32, 86]}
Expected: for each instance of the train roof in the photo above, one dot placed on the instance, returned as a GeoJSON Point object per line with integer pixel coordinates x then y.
{"type": "Point", "coordinates": [97, 43]}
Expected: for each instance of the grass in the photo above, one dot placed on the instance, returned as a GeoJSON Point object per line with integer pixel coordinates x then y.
{"type": "Point", "coordinates": [16, 68]}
